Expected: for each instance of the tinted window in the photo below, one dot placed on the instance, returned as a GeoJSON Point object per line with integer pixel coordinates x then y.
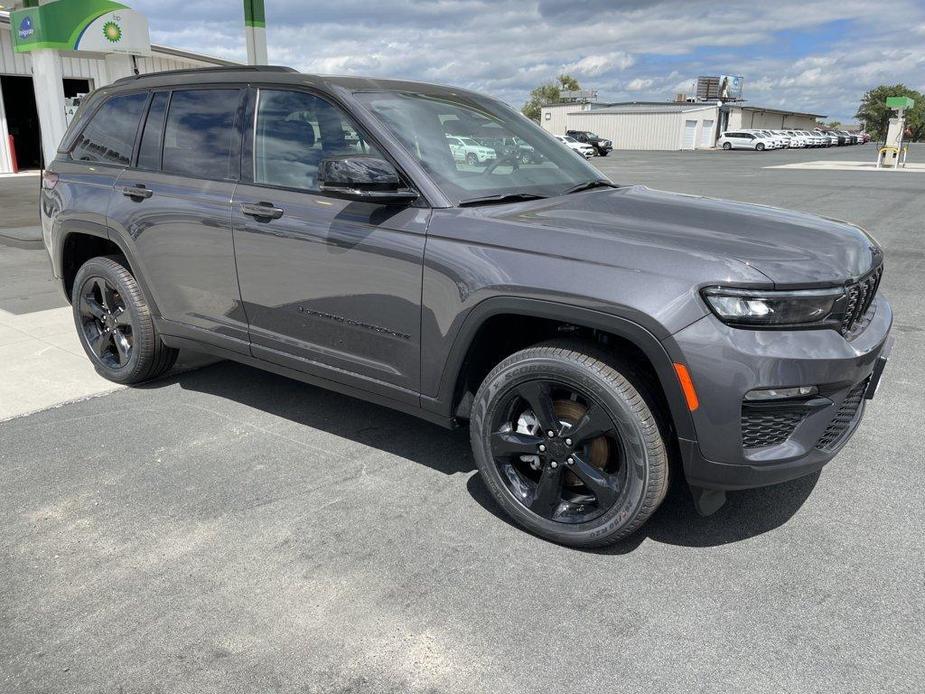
{"type": "Point", "coordinates": [295, 131]}
{"type": "Point", "coordinates": [200, 136]}
{"type": "Point", "coordinates": [110, 135]}
{"type": "Point", "coordinates": [149, 154]}
{"type": "Point", "coordinates": [537, 165]}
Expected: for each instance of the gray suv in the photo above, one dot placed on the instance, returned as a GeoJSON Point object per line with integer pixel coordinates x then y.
{"type": "Point", "coordinates": [598, 339]}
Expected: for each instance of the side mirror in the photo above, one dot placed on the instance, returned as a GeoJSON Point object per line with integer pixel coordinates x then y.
{"type": "Point", "coordinates": [360, 177]}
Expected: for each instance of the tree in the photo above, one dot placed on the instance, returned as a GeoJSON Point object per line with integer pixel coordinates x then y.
{"type": "Point", "coordinates": [833, 124]}
{"type": "Point", "coordinates": [875, 116]}
{"type": "Point", "coordinates": [548, 93]}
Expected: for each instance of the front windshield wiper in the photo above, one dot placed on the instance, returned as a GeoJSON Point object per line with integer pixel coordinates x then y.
{"type": "Point", "coordinates": [587, 185]}
{"type": "Point", "coordinates": [504, 197]}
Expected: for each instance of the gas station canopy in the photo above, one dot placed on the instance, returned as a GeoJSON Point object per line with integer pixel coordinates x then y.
{"type": "Point", "coordinates": [98, 26]}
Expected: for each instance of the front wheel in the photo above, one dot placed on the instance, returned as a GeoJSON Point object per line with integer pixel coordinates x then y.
{"type": "Point", "coordinates": [115, 325]}
{"type": "Point", "coordinates": [727, 146]}
{"type": "Point", "coordinates": [568, 446]}
{"type": "Point", "coordinates": [471, 159]}
{"type": "Point", "coordinates": [760, 147]}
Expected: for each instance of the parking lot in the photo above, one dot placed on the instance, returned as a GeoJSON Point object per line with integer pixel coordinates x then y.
{"type": "Point", "coordinates": [225, 529]}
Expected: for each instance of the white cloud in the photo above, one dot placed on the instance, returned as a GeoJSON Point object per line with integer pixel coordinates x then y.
{"type": "Point", "coordinates": [801, 54]}
{"type": "Point", "coordinates": [638, 84]}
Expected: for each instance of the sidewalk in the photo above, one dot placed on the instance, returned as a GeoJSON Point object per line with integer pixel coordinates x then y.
{"type": "Point", "coordinates": [42, 363]}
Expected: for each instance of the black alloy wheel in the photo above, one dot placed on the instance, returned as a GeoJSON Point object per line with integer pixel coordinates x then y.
{"type": "Point", "coordinates": [106, 323]}
{"type": "Point", "coordinates": [567, 445]}
{"type": "Point", "coordinates": [115, 325]}
{"type": "Point", "coordinates": [471, 159]}
{"type": "Point", "coordinates": [558, 451]}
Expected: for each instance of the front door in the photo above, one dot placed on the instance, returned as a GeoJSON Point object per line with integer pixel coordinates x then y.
{"type": "Point", "coordinates": [330, 286]}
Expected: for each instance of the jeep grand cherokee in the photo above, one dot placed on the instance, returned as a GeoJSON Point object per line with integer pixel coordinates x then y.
{"type": "Point", "coordinates": [588, 333]}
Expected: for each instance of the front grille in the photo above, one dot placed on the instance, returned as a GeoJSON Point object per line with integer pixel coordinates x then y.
{"type": "Point", "coordinates": [768, 427]}
{"type": "Point", "coordinates": [860, 296]}
{"type": "Point", "coordinates": [843, 418]}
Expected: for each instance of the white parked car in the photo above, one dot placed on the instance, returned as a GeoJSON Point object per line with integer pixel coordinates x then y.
{"type": "Point", "coordinates": [468, 150]}
{"type": "Point", "coordinates": [797, 139]}
{"type": "Point", "coordinates": [741, 139]}
{"type": "Point", "coordinates": [585, 150]}
{"type": "Point", "coordinates": [779, 141]}
{"type": "Point", "coordinates": [830, 138]}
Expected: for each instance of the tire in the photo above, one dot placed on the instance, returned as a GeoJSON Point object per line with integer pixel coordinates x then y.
{"type": "Point", "coordinates": [632, 472]}
{"type": "Point", "coordinates": [727, 146]}
{"type": "Point", "coordinates": [760, 147]}
{"type": "Point", "coordinates": [114, 323]}
{"type": "Point", "coordinates": [525, 158]}
{"type": "Point", "coordinates": [471, 159]}
{"type": "Point", "coordinates": [603, 152]}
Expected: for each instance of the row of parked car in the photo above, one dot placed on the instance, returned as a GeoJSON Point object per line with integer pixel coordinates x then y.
{"type": "Point", "coordinates": [788, 139]}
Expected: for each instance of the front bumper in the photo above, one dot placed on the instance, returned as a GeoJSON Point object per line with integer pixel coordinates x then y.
{"type": "Point", "coordinates": [725, 363]}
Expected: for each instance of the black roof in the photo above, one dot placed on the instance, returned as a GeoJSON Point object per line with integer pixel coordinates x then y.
{"type": "Point", "coordinates": [278, 75]}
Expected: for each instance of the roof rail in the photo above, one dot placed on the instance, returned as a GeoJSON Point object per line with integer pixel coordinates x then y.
{"type": "Point", "coordinates": [199, 70]}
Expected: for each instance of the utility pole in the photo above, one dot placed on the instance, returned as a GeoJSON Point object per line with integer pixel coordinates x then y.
{"type": "Point", "coordinates": [255, 32]}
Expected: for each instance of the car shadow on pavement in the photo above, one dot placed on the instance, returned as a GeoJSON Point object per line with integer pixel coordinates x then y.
{"type": "Point", "coordinates": [363, 422]}
{"type": "Point", "coordinates": [746, 513]}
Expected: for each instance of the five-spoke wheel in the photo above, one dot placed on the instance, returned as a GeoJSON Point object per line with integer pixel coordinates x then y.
{"type": "Point", "coordinates": [567, 445]}
{"type": "Point", "coordinates": [115, 324]}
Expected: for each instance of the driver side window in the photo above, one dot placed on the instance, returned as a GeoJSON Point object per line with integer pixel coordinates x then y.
{"type": "Point", "coordinates": [294, 132]}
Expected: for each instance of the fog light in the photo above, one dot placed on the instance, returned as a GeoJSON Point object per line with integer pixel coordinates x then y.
{"type": "Point", "coordinates": [781, 393]}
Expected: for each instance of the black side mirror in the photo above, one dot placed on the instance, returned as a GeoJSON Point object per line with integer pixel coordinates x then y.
{"type": "Point", "coordinates": [360, 177]}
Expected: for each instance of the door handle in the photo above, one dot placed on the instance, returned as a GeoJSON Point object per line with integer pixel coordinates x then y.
{"type": "Point", "coordinates": [261, 210]}
{"type": "Point", "coordinates": [137, 192]}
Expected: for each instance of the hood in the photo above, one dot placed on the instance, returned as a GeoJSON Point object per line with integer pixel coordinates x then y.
{"type": "Point", "coordinates": [790, 248]}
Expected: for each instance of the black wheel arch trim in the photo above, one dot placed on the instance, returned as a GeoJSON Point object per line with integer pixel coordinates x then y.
{"type": "Point", "coordinates": [109, 235]}
{"type": "Point", "coordinates": [622, 327]}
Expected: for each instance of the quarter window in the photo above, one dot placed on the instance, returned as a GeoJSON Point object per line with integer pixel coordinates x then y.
{"type": "Point", "coordinates": [294, 132]}
{"type": "Point", "coordinates": [110, 135]}
{"type": "Point", "coordinates": [200, 137]}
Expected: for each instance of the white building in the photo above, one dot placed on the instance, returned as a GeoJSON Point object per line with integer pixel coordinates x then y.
{"type": "Point", "coordinates": [82, 72]}
{"type": "Point", "coordinates": [667, 125]}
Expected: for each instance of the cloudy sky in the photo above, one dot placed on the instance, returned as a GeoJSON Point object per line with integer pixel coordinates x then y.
{"type": "Point", "coordinates": [804, 55]}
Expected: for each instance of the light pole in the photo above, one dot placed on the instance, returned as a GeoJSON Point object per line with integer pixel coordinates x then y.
{"type": "Point", "coordinates": [255, 32]}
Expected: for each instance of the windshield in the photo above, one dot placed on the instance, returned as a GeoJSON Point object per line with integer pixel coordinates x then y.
{"type": "Point", "coordinates": [421, 123]}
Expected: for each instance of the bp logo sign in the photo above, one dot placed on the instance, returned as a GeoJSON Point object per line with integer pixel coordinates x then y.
{"type": "Point", "coordinates": [97, 26]}
{"type": "Point", "coordinates": [26, 29]}
{"type": "Point", "coordinates": [112, 32]}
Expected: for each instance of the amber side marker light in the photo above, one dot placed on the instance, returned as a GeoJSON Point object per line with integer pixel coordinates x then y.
{"type": "Point", "coordinates": [687, 385]}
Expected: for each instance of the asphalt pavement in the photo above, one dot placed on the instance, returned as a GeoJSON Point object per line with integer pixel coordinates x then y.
{"type": "Point", "coordinates": [230, 530]}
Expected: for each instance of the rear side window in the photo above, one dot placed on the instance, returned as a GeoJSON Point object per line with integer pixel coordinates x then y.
{"type": "Point", "coordinates": [200, 137]}
{"type": "Point", "coordinates": [110, 135]}
{"type": "Point", "coordinates": [149, 154]}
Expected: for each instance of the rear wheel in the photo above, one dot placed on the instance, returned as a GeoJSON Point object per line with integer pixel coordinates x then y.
{"type": "Point", "coordinates": [115, 324]}
{"type": "Point", "coordinates": [568, 446]}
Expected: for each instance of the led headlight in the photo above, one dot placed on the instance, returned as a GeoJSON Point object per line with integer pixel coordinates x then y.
{"type": "Point", "coordinates": [756, 308]}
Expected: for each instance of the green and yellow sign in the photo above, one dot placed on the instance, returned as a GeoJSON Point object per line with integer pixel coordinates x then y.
{"type": "Point", "coordinates": [98, 26]}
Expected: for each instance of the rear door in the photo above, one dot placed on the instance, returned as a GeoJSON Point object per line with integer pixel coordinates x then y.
{"type": "Point", "coordinates": [174, 207]}
{"type": "Point", "coordinates": [331, 286]}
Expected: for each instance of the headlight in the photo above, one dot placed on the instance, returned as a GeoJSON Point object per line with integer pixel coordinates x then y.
{"type": "Point", "coordinates": [756, 308]}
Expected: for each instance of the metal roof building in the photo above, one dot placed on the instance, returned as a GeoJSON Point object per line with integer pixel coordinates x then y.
{"type": "Point", "coordinates": [648, 125]}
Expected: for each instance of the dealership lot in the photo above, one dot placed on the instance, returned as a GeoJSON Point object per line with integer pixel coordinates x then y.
{"type": "Point", "coordinates": [228, 529]}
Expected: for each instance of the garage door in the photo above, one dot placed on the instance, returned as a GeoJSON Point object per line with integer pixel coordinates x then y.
{"type": "Point", "coordinates": [706, 134]}
{"type": "Point", "coordinates": [690, 134]}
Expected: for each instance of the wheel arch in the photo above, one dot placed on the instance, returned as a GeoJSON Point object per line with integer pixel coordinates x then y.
{"type": "Point", "coordinates": [80, 244]}
{"type": "Point", "coordinates": [452, 395]}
